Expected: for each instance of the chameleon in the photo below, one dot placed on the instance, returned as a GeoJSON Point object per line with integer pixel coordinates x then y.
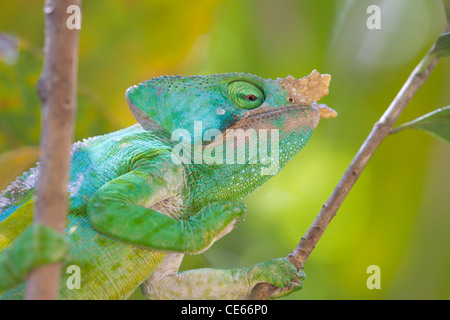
{"type": "Point", "coordinates": [143, 197]}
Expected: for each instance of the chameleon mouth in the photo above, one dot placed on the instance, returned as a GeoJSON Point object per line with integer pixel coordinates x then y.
{"type": "Point", "coordinates": [325, 112]}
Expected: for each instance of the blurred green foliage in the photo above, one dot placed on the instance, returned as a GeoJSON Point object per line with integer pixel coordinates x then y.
{"type": "Point", "coordinates": [398, 214]}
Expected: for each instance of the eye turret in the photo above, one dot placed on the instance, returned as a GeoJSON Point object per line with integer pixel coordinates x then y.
{"type": "Point", "coordinates": [245, 95]}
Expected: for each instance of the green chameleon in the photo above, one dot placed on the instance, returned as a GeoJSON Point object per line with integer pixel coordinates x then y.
{"type": "Point", "coordinates": [142, 197]}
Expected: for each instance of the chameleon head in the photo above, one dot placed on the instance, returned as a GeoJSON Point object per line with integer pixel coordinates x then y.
{"type": "Point", "coordinates": [289, 105]}
{"type": "Point", "coordinates": [234, 101]}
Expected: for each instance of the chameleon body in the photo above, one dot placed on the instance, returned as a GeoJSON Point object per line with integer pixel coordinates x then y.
{"type": "Point", "coordinates": [140, 198]}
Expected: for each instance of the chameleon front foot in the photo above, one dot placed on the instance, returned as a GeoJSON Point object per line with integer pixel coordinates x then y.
{"type": "Point", "coordinates": [280, 273]}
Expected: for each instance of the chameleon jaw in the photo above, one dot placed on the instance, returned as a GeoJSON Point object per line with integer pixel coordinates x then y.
{"type": "Point", "coordinates": [266, 117]}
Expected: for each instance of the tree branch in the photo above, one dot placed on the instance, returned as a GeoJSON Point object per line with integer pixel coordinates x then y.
{"type": "Point", "coordinates": [57, 91]}
{"type": "Point", "coordinates": [380, 130]}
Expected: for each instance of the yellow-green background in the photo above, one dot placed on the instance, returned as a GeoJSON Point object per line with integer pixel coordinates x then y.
{"type": "Point", "coordinates": [398, 214]}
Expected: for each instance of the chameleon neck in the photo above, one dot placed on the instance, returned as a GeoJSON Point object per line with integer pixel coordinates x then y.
{"type": "Point", "coordinates": [234, 180]}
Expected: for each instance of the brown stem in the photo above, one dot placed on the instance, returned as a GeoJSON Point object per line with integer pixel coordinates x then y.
{"type": "Point", "coordinates": [57, 91]}
{"type": "Point", "coordinates": [380, 130]}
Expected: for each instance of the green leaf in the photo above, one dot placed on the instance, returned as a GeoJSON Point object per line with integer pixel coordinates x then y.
{"type": "Point", "coordinates": [436, 123]}
{"type": "Point", "coordinates": [442, 47]}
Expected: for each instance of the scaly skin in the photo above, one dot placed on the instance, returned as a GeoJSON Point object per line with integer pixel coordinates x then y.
{"type": "Point", "coordinates": [135, 210]}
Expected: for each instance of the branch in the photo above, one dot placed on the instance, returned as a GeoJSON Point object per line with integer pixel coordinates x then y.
{"type": "Point", "coordinates": [380, 130]}
{"type": "Point", "coordinates": [57, 91]}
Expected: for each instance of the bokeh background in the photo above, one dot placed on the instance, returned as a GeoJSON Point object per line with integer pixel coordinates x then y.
{"type": "Point", "coordinates": [398, 214]}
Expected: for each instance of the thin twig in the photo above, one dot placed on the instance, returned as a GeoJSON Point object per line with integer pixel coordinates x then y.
{"type": "Point", "coordinates": [57, 91]}
{"type": "Point", "coordinates": [380, 130]}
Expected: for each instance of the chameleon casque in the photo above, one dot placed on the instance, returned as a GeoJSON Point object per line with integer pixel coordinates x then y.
{"type": "Point", "coordinates": [136, 208]}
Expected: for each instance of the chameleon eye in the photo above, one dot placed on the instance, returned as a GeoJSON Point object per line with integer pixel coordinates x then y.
{"type": "Point", "coordinates": [245, 95]}
{"type": "Point", "coordinates": [250, 97]}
